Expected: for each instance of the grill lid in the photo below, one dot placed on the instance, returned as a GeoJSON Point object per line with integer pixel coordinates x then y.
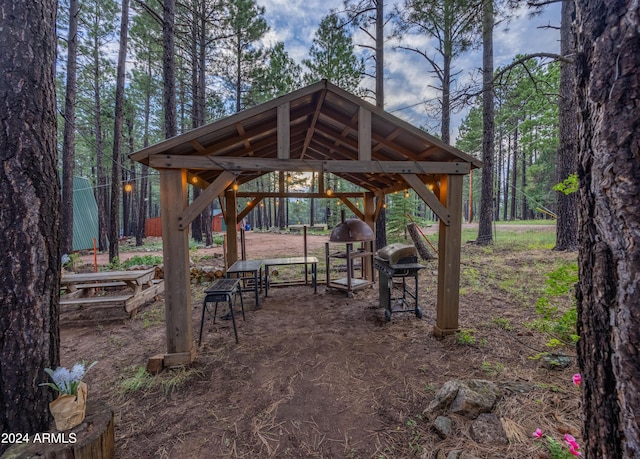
{"type": "Point", "coordinates": [394, 253]}
{"type": "Point", "coordinates": [352, 230]}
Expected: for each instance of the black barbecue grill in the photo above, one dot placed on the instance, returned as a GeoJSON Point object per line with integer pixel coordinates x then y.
{"type": "Point", "coordinates": [398, 261]}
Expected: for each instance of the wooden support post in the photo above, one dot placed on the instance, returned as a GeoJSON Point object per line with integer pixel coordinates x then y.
{"type": "Point", "coordinates": [284, 131]}
{"type": "Point", "coordinates": [449, 244]}
{"type": "Point", "coordinates": [231, 220]}
{"type": "Point", "coordinates": [364, 134]}
{"type": "Point", "coordinates": [369, 219]}
{"type": "Point", "coordinates": [175, 249]}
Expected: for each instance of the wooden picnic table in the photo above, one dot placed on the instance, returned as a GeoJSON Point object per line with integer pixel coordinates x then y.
{"type": "Point", "coordinates": [81, 289]}
{"type": "Point", "coordinates": [134, 279]}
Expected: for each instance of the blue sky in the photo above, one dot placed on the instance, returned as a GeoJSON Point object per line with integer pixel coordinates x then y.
{"type": "Point", "coordinates": [406, 74]}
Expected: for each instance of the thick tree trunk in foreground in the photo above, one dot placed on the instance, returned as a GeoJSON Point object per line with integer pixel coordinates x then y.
{"type": "Point", "coordinates": [608, 98]}
{"type": "Point", "coordinates": [567, 226]}
{"type": "Point", "coordinates": [29, 206]}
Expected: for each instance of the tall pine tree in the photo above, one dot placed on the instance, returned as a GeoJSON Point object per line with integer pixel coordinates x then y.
{"type": "Point", "coordinates": [332, 57]}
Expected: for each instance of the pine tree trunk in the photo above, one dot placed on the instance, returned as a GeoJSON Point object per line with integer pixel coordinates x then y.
{"type": "Point", "coordinates": [101, 195]}
{"type": "Point", "coordinates": [68, 141]}
{"type": "Point", "coordinates": [567, 225]}
{"type": "Point", "coordinates": [169, 68]}
{"type": "Point", "coordinates": [485, 233]}
{"type": "Point", "coordinates": [499, 163]}
{"type": "Point", "coordinates": [114, 217]}
{"type": "Point", "coordinates": [143, 204]}
{"type": "Point", "coordinates": [607, 95]}
{"type": "Point", "coordinates": [514, 178]}
{"type": "Point", "coordinates": [29, 205]}
{"type": "Point", "coordinates": [381, 221]}
{"type": "Point", "coordinates": [506, 180]}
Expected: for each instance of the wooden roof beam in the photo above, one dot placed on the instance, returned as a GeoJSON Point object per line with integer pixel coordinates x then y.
{"type": "Point", "coordinates": [245, 138]}
{"type": "Point", "coordinates": [306, 165]}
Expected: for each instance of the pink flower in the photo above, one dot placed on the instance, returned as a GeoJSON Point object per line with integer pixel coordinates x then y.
{"type": "Point", "coordinates": [574, 451]}
{"type": "Point", "coordinates": [537, 433]}
{"type": "Point", "coordinates": [577, 379]}
{"type": "Point", "coordinates": [571, 441]}
{"type": "Point", "coordinates": [573, 445]}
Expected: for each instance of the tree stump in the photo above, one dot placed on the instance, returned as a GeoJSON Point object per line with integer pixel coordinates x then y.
{"type": "Point", "coordinates": [93, 439]}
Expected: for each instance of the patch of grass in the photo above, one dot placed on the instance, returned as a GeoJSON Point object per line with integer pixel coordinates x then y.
{"type": "Point", "coordinates": [467, 337]}
{"type": "Point", "coordinates": [149, 246]}
{"type": "Point", "coordinates": [503, 323]}
{"type": "Point", "coordinates": [175, 378]}
{"type": "Point", "coordinates": [429, 387]}
{"type": "Point", "coordinates": [139, 380]}
{"type": "Point", "coordinates": [152, 316]}
{"type": "Point", "coordinates": [168, 381]}
{"type": "Point", "coordinates": [415, 439]}
{"type": "Point", "coordinates": [143, 260]}
{"type": "Point", "coordinates": [492, 368]}
{"type": "Point", "coordinates": [471, 277]}
{"type": "Point", "coordinates": [114, 264]}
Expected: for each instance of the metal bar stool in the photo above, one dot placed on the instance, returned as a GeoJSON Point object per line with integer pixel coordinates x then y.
{"type": "Point", "coordinates": [222, 290]}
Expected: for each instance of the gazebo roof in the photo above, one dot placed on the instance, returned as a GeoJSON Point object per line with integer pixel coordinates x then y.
{"type": "Point", "coordinates": [326, 127]}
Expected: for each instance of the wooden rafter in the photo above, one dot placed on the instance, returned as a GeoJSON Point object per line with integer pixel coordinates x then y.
{"type": "Point", "coordinates": [312, 125]}
{"type": "Point", "coordinates": [306, 165]}
{"type": "Point", "coordinates": [358, 213]}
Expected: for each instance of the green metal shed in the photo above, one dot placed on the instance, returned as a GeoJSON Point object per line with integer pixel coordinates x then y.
{"type": "Point", "coordinates": [85, 214]}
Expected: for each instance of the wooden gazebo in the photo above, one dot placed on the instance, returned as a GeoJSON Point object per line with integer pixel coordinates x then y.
{"type": "Point", "coordinates": [320, 128]}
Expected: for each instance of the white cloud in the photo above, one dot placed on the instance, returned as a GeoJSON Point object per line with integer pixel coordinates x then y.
{"type": "Point", "coordinates": [407, 77]}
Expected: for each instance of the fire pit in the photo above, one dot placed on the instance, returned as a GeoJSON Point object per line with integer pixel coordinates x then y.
{"type": "Point", "coordinates": [398, 261]}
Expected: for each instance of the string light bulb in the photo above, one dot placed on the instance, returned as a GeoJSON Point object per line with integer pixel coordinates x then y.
{"type": "Point", "coordinates": [128, 187]}
{"type": "Point", "coordinates": [406, 193]}
{"type": "Point", "coordinates": [329, 191]}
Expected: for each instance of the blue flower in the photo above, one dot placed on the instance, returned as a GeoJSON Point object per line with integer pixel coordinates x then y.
{"type": "Point", "coordinates": [65, 381]}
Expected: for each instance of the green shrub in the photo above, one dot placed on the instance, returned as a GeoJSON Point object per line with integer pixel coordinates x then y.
{"type": "Point", "coordinates": [556, 318]}
{"type": "Point", "coordinates": [143, 260]}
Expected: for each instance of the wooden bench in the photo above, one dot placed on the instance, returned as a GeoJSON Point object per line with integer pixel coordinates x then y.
{"type": "Point", "coordinates": [100, 285]}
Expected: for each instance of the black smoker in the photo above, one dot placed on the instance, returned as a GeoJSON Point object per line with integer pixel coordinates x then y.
{"type": "Point", "coordinates": [397, 261]}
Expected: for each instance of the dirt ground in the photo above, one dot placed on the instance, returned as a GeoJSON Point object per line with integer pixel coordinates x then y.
{"type": "Point", "coordinates": [324, 375]}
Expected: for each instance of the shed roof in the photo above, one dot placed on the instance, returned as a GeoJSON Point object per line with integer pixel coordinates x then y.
{"type": "Point", "coordinates": [324, 126]}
